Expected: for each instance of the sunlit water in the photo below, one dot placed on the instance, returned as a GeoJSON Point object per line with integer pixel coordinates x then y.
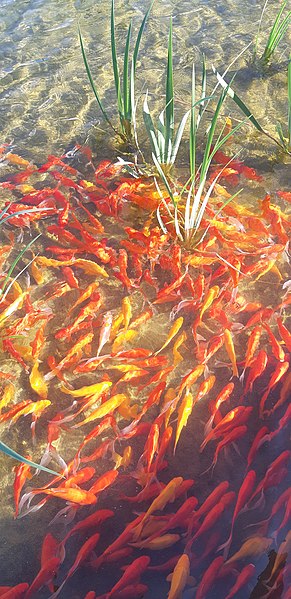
{"type": "Point", "coordinates": [47, 106]}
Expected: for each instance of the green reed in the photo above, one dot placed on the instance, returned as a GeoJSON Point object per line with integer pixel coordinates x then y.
{"type": "Point", "coordinates": [277, 32]}
{"type": "Point", "coordinates": [124, 85]}
{"type": "Point", "coordinates": [16, 456]}
{"type": "Point", "coordinates": [283, 141]}
{"type": "Point", "coordinates": [187, 206]}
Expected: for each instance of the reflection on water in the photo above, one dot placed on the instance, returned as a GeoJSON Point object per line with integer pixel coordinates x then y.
{"type": "Point", "coordinates": [46, 108]}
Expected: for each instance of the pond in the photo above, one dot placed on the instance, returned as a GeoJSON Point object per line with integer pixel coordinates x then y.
{"type": "Point", "coordinates": [169, 359]}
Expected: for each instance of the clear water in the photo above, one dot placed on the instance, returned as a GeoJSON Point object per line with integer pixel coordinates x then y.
{"type": "Point", "coordinates": [46, 107]}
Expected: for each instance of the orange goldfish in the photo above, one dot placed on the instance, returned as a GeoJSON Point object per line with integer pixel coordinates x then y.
{"type": "Point", "coordinates": [73, 494]}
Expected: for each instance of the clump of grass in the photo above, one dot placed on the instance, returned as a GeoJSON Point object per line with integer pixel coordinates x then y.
{"type": "Point", "coordinates": [124, 86]}
{"type": "Point", "coordinates": [186, 207]}
{"type": "Point", "coordinates": [165, 142]}
{"type": "Point", "coordinates": [284, 139]}
{"type": "Point", "coordinates": [277, 32]}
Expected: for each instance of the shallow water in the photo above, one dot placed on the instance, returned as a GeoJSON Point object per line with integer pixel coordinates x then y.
{"type": "Point", "coordinates": [46, 108]}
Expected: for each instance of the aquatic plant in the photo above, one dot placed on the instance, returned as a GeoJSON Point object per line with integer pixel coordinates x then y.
{"type": "Point", "coordinates": [124, 86]}
{"type": "Point", "coordinates": [277, 32]}
{"type": "Point", "coordinates": [187, 206]}
{"type": "Point", "coordinates": [164, 143]}
{"type": "Point", "coordinates": [284, 141]}
{"type": "Point", "coordinates": [16, 456]}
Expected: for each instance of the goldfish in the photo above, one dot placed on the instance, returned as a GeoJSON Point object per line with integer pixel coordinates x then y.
{"type": "Point", "coordinates": [159, 503]}
{"type": "Point", "coordinates": [122, 338]}
{"type": "Point", "coordinates": [16, 592]}
{"type": "Point", "coordinates": [16, 305]}
{"type": "Point", "coordinates": [243, 578]}
{"type": "Point", "coordinates": [107, 407]}
{"type": "Point", "coordinates": [180, 576]}
{"type": "Point", "coordinates": [252, 547]}
{"type": "Point", "coordinates": [257, 368]}
{"type": "Point", "coordinates": [183, 414]}
{"type": "Point", "coordinates": [126, 311]}
{"type": "Point", "coordinates": [191, 378]}
{"type": "Point", "coordinates": [73, 494]}
{"type": "Point", "coordinates": [96, 389]}
{"type": "Point", "coordinates": [278, 373]}
{"type": "Point", "coordinates": [284, 333]}
{"type": "Point", "coordinates": [209, 577]}
{"type": "Point", "coordinates": [221, 398]}
{"type": "Point", "coordinates": [230, 436]}
{"type": "Point", "coordinates": [105, 331]}
{"type": "Point", "coordinates": [176, 354]}
{"type": "Point", "coordinates": [244, 495]}
{"type": "Point", "coordinates": [94, 520]}
{"type": "Point", "coordinates": [22, 472]}
{"type": "Point", "coordinates": [8, 395]}
{"type": "Point", "coordinates": [37, 381]}
{"type": "Point", "coordinates": [158, 543]}
{"type": "Point", "coordinates": [173, 332]}
{"type": "Point", "coordinates": [131, 575]}
{"type": "Point", "coordinates": [82, 555]}
{"type": "Point", "coordinates": [104, 481]}
{"type": "Point", "coordinates": [45, 576]}
{"type": "Point", "coordinates": [230, 350]}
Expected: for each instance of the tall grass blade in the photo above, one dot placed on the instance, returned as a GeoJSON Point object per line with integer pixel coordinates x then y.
{"type": "Point", "coordinates": [115, 66]}
{"type": "Point", "coordinates": [15, 262]}
{"type": "Point", "coordinates": [13, 454]}
{"type": "Point", "coordinates": [126, 85]}
{"type": "Point", "coordinates": [289, 102]}
{"type": "Point", "coordinates": [164, 179]}
{"type": "Point", "coordinates": [238, 101]}
{"type": "Point", "coordinates": [277, 32]}
{"type": "Point", "coordinates": [193, 127]}
{"type": "Point", "coordinates": [92, 83]}
{"type": "Point", "coordinates": [169, 110]}
{"type": "Point", "coordinates": [139, 35]}
{"type": "Point", "coordinates": [148, 121]}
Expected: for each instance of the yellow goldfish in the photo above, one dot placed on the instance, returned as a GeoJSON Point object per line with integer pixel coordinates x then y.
{"type": "Point", "coordinates": [126, 311]}
{"type": "Point", "coordinates": [107, 407]}
{"type": "Point", "coordinates": [173, 332]}
{"type": "Point", "coordinates": [8, 394]}
{"type": "Point", "coordinates": [230, 350]}
{"type": "Point", "coordinates": [158, 543]}
{"type": "Point", "coordinates": [37, 381]}
{"type": "Point", "coordinates": [180, 576]}
{"type": "Point", "coordinates": [122, 338]}
{"type": "Point", "coordinates": [184, 412]}
{"type": "Point", "coordinates": [166, 495]}
{"type": "Point", "coordinates": [96, 389]}
{"type": "Point", "coordinates": [17, 304]}
{"type": "Point", "coordinates": [253, 547]}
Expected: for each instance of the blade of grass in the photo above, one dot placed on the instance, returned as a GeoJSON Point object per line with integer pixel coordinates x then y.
{"type": "Point", "coordinates": [92, 83]}
{"type": "Point", "coordinates": [15, 262]}
{"type": "Point", "coordinates": [242, 106]}
{"type": "Point", "coordinates": [289, 102]}
{"type": "Point", "coordinates": [148, 121]}
{"type": "Point", "coordinates": [164, 179]}
{"type": "Point", "coordinates": [115, 66]}
{"type": "Point", "coordinates": [169, 110]}
{"type": "Point", "coordinates": [126, 89]}
{"type": "Point", "coordinates": [276, 32]}
{"type": "Point", "coordinates": [13, 454]}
